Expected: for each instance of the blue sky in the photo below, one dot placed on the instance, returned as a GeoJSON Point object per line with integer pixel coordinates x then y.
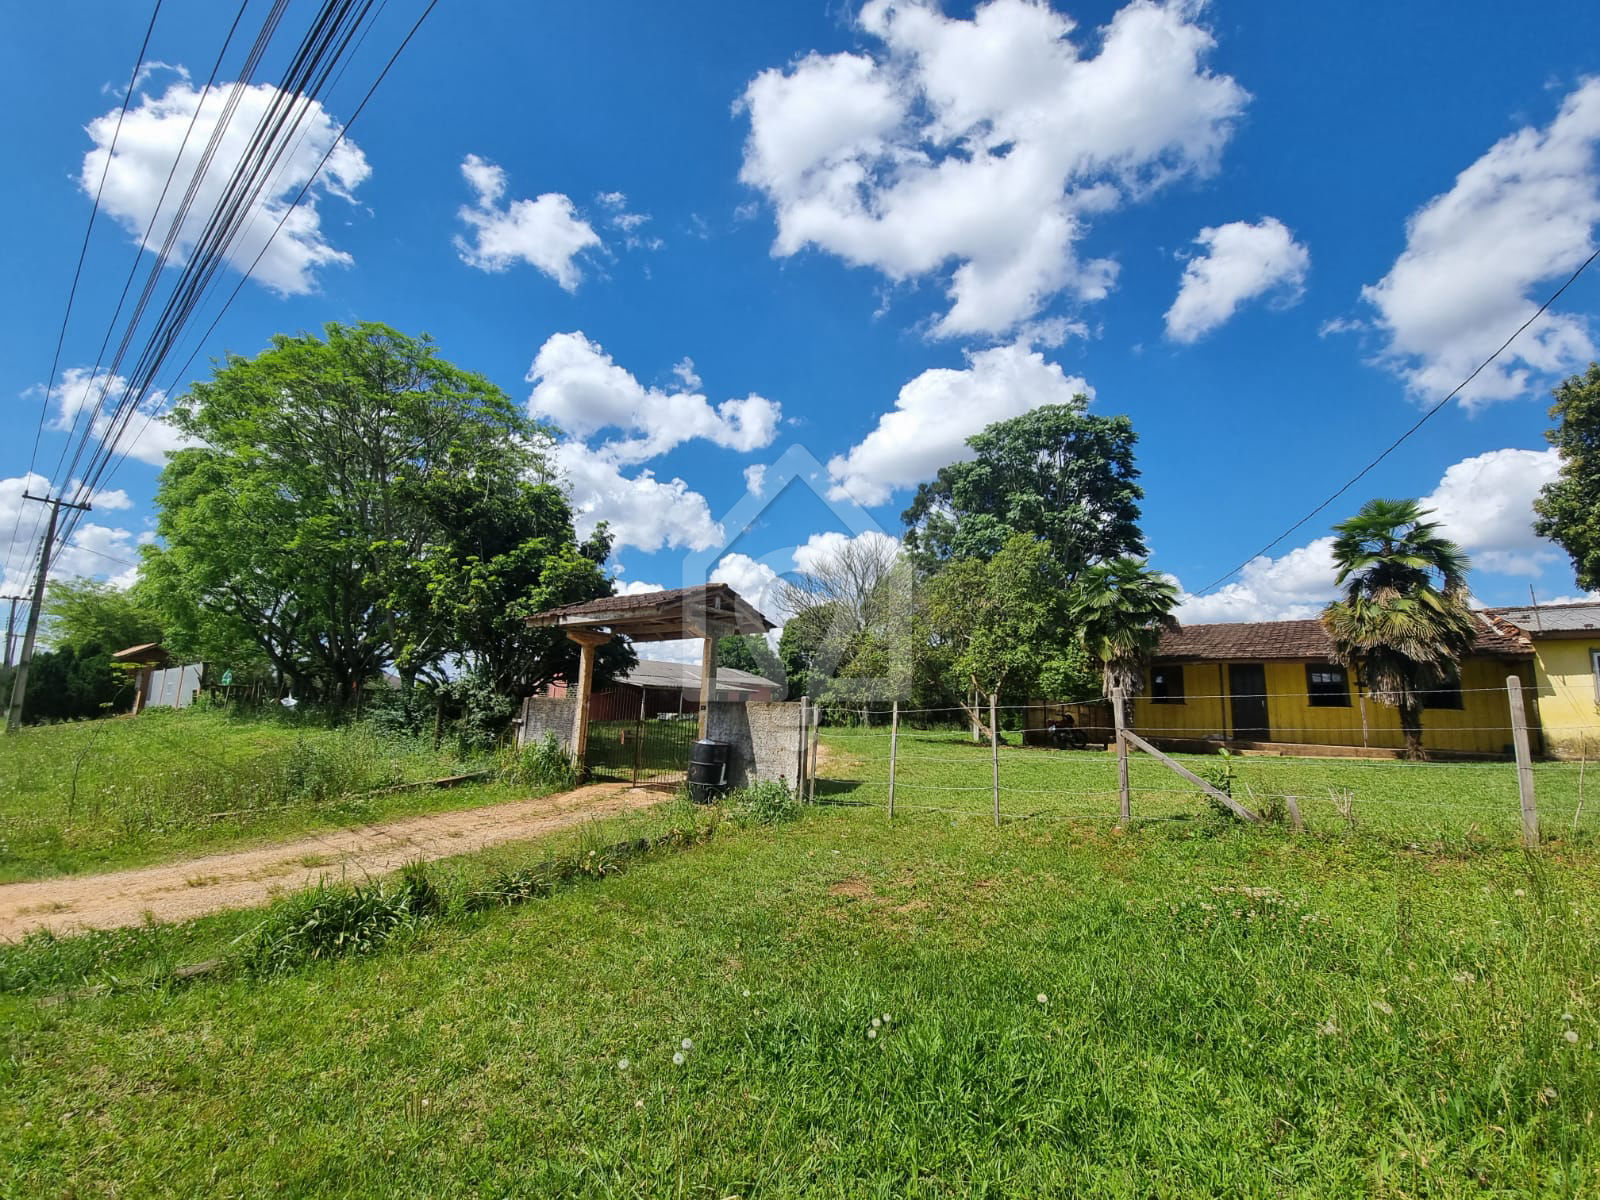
{"type": "Point", "coordinates": [699, 235]}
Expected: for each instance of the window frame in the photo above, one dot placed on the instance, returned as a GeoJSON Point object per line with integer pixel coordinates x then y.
{"type": "Point", "coordinates": [1329, 698]}
{"type": "Point", "coordinates": [1447, 698]}
{"type": "Point", "coordinates": [1594, 671]}
{"type": "Point", "coordinates": [1168, 697]}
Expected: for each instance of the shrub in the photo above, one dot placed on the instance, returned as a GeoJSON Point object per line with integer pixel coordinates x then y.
{"type": "Point", "coordinates": [768, 802]}
{"type": "Point", "coordinates": [544, 764]}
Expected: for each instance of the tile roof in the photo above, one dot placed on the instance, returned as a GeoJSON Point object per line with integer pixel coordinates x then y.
{"type": "Point", "coordinates": [659, 674]}
{"type": "Point", "coordinates": [1303, 639]}
{"type": "Point", "coordinates": [1578, 618]}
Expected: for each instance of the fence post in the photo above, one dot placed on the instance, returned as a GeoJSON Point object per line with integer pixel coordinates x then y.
{"type": "Point", "coordinates": [1519, 742]}
{"type": "Point", "coordinates": [816, 721]}
{"type": "Point", "coordinates": [894, 746]}
{"type": "Point", "coordinates": [994, 750]}
{"type": "Point", "coordinates": [801, 771]}
{"type": "Point", "coordinates": [1124, 799]}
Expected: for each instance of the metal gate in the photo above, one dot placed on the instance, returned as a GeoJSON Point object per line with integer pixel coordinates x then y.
{"type": "Point", "coordinates": [642, 749]}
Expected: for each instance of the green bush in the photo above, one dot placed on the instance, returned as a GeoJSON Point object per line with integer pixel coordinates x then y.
{"type": "Point", "coordinates": [543, 764]}
{"type": "Point", "coordinates": [767, 802]}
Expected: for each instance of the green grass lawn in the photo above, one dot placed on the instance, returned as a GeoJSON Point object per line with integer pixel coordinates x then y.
{"type": "Point", "coordinates": [126, 791]}
{"type": "Point", "coordinates": [1188, 1008]}
{"type": "Point", "coordinates": [945, 772]}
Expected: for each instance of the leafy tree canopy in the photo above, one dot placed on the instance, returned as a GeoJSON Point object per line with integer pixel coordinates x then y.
{"type": "Point", "coordinates": [356, 501]}
{"type": "Point", "coordinates": [97, 617]}
{"type": "Point", "coordinates": [1568, 508]}
{"type": "Point", "coordinates": [750, 652]}
{"type": "Point", "coordinates": [1057, 474]}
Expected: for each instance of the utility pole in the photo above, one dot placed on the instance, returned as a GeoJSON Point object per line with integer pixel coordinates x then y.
{"type": "Point", "coordinates": [19, 686]}
{"type": "Point", "coordinates": [11, 626]}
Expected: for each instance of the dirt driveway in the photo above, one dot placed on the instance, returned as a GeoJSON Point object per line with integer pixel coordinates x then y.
{"type": "Point", "coordinates": [244, 878]}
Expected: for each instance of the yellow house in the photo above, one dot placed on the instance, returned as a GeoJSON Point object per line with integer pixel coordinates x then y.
{"type": "Point", "coordinates": [1273, 684]}
{"type": "Point", "coordinates": [1566, 668]}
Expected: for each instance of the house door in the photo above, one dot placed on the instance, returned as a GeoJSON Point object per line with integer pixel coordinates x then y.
{"type": "Point", "coordinates": [1247, 686]}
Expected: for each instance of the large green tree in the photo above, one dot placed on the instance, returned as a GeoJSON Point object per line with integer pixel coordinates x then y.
{"type": "Point", "coordinates": [1058, 474]}
{"type": "Point", "coordinates": [97, 617]}
{"type": "Point", "coordinates": [1403, 621]}
{"type": "Point", "coordinates": [996, 623]}
{"type": "Point", "coordinates": [1568, 508]}
{"type": "Point", "coordinates": [355, 501]}
{"type": "Point", "coordinates": [1120, 608]}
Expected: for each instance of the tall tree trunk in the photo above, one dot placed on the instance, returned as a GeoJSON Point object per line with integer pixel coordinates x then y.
{"type": "Point", "coordinates": [1411, 723]}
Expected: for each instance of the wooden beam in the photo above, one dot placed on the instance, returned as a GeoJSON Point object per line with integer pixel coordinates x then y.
{"type": "Point", "coordinates": [1232, 805]}
{"type": "Point", "coordinates": [708, 680]}
{"type": "Point", "coordinates": [588, 641]}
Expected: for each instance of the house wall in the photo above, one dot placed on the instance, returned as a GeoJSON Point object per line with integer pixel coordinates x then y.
{"type": "Point", "coordinates": [1481, 726]}
{"type": "Point", "coordinates": [1565, 679]}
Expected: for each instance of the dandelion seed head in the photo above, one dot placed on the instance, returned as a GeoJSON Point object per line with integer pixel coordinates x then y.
{"type": "Point", "coordinates": [687, 1044]}
{"type": "Point", "coordinates": [877, 1022]}
{"type": "Point", "coordinates": [1567, 1017]}
{"type": "Point", "coordinates": [871, 1033]}
{"type": "Point", "coordinates": [1572, 1037]}
{"type": "Point", "coordinates": [887, 1018]}
{"type": "Point", "coordinates": [677, 1059]}
{"type": "Point", "coordinates": [1519, 893]}
{"type": "Point", "coordinates": [1043, 999]}
{"type": "Point", "coordinates": [622, 1064]}
{"type": "Point", "coordinates": [747, 992]}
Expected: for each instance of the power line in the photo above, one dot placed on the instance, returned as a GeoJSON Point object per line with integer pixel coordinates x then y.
{"type": "Point", "coordinates": [1394, 445]}
{"type": "Point", "coordinates": [77, 271]}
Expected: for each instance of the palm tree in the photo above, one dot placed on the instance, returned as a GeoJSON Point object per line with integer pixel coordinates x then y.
{"type": "Point", "coordinates": [1403, 620]}
{"type": "Point", "coordinates": [1121, 609]}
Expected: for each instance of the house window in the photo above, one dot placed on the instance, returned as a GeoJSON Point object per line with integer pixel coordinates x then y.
{"type": "Point", "coordinates": [1166, 685]}
{"type": "Point", "coordinates": [1446, 694]}
{"type": "Point", "coordinates": [1594, 665]}
{"type": "Point", "coordinates": [1327, 686]}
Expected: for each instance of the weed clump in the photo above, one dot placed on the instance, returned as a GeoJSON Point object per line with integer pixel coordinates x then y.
{"type": "Point", "coordinates": [767, 802]}
{"type": "Point", "coordinates": [543, 764]}
{"type": "Point", "coordinates": [329, 921]}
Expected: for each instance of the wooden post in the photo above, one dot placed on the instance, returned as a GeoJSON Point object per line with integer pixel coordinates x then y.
{"type": "Point", "coordinates": [994, 750]}
{"type": "Point", "coordinates": [816, 722]}
{"type": "Point", "coordinates": [589, 641]}
{"type": "Point", "coordinates": [1519, 742]}
{"type": "Point", "coordinates": [894, 746]}
{"type": "Point", "coordinates": [1138, 743]}
{"type": "Point", "coordinates": [1124, 794]}
{"type": "Point", "coordinates": [708, 680]}
{"type": "Point", "coordinates": [801, 767]}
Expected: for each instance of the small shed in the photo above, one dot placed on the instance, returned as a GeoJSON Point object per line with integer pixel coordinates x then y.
{"type": "Point", "coordinates": [146, 659]}
{"type": "Point", "coordinates": [708, 612]}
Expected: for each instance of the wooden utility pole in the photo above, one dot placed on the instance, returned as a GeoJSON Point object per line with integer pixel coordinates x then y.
{"type": "Point", "coordinates": [19, 686]}
{"type": "Point", "coordinates": [1519, 742]}
{"type": "Point", "coordinates": [1124, 796]}
{"type": "Point", "coordinates": [11, 627]}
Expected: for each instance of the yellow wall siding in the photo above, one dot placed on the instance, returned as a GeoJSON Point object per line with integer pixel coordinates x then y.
{"type": "Point", "coordinates": [1481, 726]}
{"type": "Point", "coordinates": [1564, 676]}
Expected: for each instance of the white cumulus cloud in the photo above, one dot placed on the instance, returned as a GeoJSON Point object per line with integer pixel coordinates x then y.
{"type": "Point", "coordinates": [937, 411]}
{"type": "Point", "coordinates": [1478, 257]}
{"type": "Point", "coordinates": [978, 150]}
{"type": "Point", "coordinates": [642, 511]}
{"type": "Point", "coordinates": [87, 397]}
{"type": "Point", "coordinates": [1241, 261]}
{"type": "Point", "coordinates": [156, 131]}
{"type": "Point", "coordinates": [579, 387]}
{"type": "Point", "coordinates": [95, 551]}
{"type": "Point", "coordinates": [546, 232]}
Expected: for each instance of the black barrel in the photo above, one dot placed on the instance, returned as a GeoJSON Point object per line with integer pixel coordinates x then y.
{"type": "Point", "coordinates": [708, 770]}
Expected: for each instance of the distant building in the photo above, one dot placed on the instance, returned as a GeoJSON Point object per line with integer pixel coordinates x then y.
{"type": "Point", "coordinates": [1566, 668]}
{"type": "Point", "coordinates": [665, 688]}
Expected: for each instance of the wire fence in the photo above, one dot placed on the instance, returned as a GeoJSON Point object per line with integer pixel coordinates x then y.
{"type": "Point", "coordinates": [1006, 764]}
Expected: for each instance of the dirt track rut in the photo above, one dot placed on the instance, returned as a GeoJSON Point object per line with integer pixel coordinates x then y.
{"type": "Point", "coordinates": [244, 878]}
